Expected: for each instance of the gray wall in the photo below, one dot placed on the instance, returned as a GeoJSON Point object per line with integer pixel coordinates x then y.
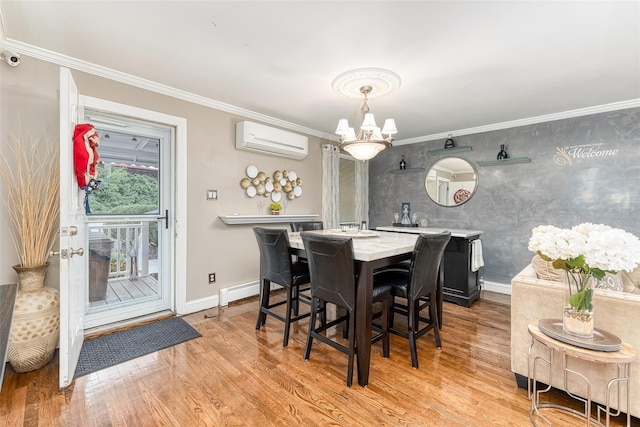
{"type": "Point", "coordinates": [512, 199]}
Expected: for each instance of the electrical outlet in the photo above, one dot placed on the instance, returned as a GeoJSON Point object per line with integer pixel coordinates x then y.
{"type": "Point", "coordinates": [212, 277]}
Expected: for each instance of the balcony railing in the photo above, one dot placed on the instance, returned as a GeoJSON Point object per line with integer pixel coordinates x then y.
{"type": "Point", "coordinates": [130, 246]}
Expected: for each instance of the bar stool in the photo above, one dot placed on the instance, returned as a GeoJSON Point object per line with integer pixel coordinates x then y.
{"type": "Point", "coordinates": [277, 266]}
{"type": "Point", "coordinates": [418, 285]}
{"type": "Point", "coordinates": [333, 280]}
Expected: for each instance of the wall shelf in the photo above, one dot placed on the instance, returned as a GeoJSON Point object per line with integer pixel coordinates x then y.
{"type": "Point", "coordinates": [264, 219]}
{"type": "Point", "coordinates": [406, 170]}
{"type": "Point", "coordinates": [510, 161]}
{"type": "Point", "coordinates": [440, 151]}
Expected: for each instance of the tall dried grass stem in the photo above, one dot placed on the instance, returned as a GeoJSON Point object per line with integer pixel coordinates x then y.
{"type": "Point", "coordinates": [31, 177]}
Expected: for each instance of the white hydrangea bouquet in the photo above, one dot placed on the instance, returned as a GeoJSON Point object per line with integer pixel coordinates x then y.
{"type": "Point", "coordinates": [585, 251]}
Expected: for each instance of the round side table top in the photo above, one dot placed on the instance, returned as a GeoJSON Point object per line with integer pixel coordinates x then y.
{"type": "Point", "coordinates": [625, 355]}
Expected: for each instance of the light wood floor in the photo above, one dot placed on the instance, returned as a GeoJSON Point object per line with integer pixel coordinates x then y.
{"type": "Point", "coordinates": [237, 376]}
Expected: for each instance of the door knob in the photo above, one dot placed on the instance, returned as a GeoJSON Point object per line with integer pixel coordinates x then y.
{"type": "Point", "coordinates": [78, 251]}
{"type": "Point", "coordinates": [67, 253]}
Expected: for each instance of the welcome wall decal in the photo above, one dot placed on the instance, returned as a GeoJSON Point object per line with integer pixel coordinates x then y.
{"type": "Point", "coordinates": [566, 155]}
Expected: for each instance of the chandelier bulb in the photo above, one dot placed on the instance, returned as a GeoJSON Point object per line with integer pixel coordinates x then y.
{"type": "Point", "coordinates": [369, 140]}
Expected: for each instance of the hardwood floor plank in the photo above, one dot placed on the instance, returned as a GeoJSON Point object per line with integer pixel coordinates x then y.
{"type": "Point", "coordinates": [236, 376]}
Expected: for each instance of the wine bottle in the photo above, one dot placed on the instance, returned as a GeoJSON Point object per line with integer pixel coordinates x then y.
{"type": "Point", "coordinates": [403, 164]}
{"type": "Point", "coordinates": [502, 154]}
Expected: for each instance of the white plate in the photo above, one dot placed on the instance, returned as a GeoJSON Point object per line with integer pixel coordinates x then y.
{"type": "Point", "coordinates": [297, 191]}
{"type": "Point", "coordinates": [251, 191]}
{"type": "Point", "coordinates": [283, 181]}
{"type": "Point", "coordinates": [276, 196]}
{"type": "Point", "coordinates": [252, 171]}
{"type": "Point", "coordinates": [355, 234]}
{"type": "Point", "coordinates": [268, 186]}
{"type": "Point", "coordinates": [292, 176]}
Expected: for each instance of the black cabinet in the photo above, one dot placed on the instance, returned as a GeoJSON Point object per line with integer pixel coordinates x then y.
{"type": "Point", "coordinates": [460, 283]}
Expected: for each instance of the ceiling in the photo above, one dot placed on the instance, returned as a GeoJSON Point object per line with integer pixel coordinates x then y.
{"type": "Point", "coordinates": [463, 64]}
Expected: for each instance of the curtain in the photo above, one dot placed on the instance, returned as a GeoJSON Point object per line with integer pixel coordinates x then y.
{"type": "Point", "coordinates": [330, 186]}
{"type": "Point", "coordinates": [362, 191]}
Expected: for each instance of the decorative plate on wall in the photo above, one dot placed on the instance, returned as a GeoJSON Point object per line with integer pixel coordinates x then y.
{"type": "Point", "coordinates": [252, 171]}
{"type": "Point", "coordinates": [284, 184]}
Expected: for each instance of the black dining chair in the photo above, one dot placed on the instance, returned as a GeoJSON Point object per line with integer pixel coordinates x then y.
{"type": "Point", "coordinates": [418, 286]}
{"type": "Point", "coordinates": [333, 280]}
{"type": "Point", "coordinates": [277, 266]}
{"type": "Point", "coordinates": [307, 226]}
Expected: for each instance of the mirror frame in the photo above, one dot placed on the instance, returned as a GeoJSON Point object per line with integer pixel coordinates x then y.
{"type": "Point", "coordinates": [427, 180]}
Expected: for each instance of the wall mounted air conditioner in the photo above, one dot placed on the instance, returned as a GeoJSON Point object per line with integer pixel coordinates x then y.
{"type": "Point", "coordinates": [267, 140]}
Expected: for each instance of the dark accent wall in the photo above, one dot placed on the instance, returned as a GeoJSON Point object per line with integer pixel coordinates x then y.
{"type": "Point", "coordinates": [601, 185]}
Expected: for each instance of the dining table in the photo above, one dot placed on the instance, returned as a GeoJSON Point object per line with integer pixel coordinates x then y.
{"type": "Point", "coordinates": [371, 250]}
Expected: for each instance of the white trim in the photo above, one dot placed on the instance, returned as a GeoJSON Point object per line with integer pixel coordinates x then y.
{"type": "Point", "coordinates": [180, 219]}
{"type": "Point", "coordinates": [87, 67]}
{"type": "Point", "coordinates": [131, 80]}
{"type": "Point", "coordinates": [238, 292]}
{"type": "Point", "coordinates": [632, 103]}
{"type": "Point", "coordinates": [500, 288]}
{"type": "Point", "coordinates": [179, 248]}
{"type": "Point", "coordinates": [3, 32]}
{"type": "Point", "coordinates": [200, 305]}
{"type": "Point", "coordinates": [235, 293]}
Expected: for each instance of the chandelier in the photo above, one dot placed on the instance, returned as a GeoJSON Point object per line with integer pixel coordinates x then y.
{"type": "Point", "coordinates": [366, 82]}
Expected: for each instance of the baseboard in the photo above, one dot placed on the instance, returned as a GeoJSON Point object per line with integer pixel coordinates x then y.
{"type": "Point", "coordinates": [234, 293]}
{"type": "Point", "coordinates": [238, 292]}
{"type": "Point", "coordinates": [200, 304]}
{"type": "Point", "coordinates": [496, 287]}
{"type": "Point", "coordinates": [246, 290]}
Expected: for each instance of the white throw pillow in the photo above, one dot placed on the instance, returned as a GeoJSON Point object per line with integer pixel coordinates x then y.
{"type": "Point", "coordinates": [611, 282]}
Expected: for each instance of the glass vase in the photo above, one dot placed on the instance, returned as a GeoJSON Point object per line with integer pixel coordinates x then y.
{"type": "Point", "coordinates": [577, 314]}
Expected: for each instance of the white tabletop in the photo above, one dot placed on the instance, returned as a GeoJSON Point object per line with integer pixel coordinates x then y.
{"type": "Point", "coordinates": [455, 232]}
{"type": "Point", "coordinates": [384, 245]}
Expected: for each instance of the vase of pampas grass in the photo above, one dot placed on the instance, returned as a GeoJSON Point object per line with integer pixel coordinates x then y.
{"type": "Point", "coordinates": [30, 173]}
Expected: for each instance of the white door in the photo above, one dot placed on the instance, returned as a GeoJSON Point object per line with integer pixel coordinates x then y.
{"type": "Point", "coordinates": [72, 236]}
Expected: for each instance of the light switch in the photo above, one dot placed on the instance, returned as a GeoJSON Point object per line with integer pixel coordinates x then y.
{"type": "Point", "coordinates": [212, 194]}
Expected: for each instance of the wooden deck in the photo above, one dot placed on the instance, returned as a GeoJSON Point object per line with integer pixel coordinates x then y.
{"type": "Point", "coordinates": [125, 290]}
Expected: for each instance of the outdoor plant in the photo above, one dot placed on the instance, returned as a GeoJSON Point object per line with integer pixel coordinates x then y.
{"type": "Point", "coordinates": [585, 251]}
{"type": "Point", "coordinates": [30, 172]}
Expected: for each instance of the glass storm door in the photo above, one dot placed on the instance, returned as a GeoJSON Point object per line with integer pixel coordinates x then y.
{"type": "Point", "coordinates": [128, 240]}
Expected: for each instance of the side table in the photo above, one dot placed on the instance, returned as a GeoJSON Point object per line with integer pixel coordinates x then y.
{"type": "Point", "coordinates": [621, 358]}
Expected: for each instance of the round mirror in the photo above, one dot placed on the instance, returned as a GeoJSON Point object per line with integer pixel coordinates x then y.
{"type": "Point", "coordinates": [451, 181]}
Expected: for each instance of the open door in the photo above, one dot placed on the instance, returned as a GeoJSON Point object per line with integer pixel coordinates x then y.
{"type": "Point", "coordinates": [73, 274]}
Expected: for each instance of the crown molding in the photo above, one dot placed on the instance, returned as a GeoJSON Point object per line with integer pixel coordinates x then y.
{"type": "Point", "coordinates": [131, 80]}
{"type": "Point", "coordinates": [128, 79]}
{"type": "Point", "coordinates": [632, 103]}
